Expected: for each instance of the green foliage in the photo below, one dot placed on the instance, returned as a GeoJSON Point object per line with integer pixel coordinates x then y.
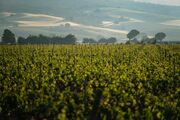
{"type": "Point", "coordinates": [132, 34]}
{"type": "Point", "coordinates": [8, 37]}
{"type": "Point", "coordinates": [160, 36]}
{"type": "Point", "coordinates": [42, 39]}
{"type": "Point", "coordinates": [80, 82]}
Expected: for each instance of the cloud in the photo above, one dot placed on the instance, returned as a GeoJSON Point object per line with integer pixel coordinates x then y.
{"type": "Point", "coordinates": [172, 23]}
{"type": "Point", "coordinates": [8, 14]}
{"type": "Point", "coordinates": [30, 15]}
{"type": "Point", "coordinates": [163, 2]}
{"type": "Point", "coordinates": [120, 20]}
{"type": "Point", "coordinates": [104, 29]}
{"type": "Point", "coordinates": [54, 21]}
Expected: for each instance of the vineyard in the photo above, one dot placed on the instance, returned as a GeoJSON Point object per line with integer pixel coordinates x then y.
{"type": "Point", "coordinates": [90, 82]}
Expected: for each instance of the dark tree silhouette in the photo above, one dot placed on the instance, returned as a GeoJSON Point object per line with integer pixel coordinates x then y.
{"type": "Point", "coordinates": [109, 40]}
{"type": "Point", "coordinates": [70, 39]}
{"type": "Point", "coordinates": [89, 40]}
{"type": "Point", "coordinates": [42, 39]}
{"type": "Point", "coordinates": [21, 40]}
{"type": "Point", "coordinates": [57, 40]}
{"type": "Point", "coordinates": [152, 40]}
{"type": "Point", "coordinates": [8, 37]}
{"type": "Point", "coordinates": [160, 36]}
{"type": "Point", "coordinates": [132, 34]}
{"type": "Point", "coordinates": [102, 40]}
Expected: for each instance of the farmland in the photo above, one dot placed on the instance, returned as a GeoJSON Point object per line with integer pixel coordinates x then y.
{"type": "Point", "coordinates": [108, 82]}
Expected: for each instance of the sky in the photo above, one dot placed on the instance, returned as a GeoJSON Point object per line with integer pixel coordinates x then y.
{"type": "Point", "coordinates": [165, 2]}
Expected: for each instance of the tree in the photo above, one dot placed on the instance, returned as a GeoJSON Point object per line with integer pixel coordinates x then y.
{"type": "Point", "coordinates": [89, 40]}
{"type": "Point", "coordinates": [21, 40]}
{"type": "Point", "coordinates": [152, 40]}
{"type": "Point", "coordinates": [132, 34]}
{"type": "Point", "coordinates": [42, 39]}
{"type": "Point", "coordinates": [102, 40]}
{"type": "Point", "coordinates": [111, 40]}
{"type": "Point", "coordinates": [107, 41]}
{"type": "Point", "coordinates": [160, 36]}
{"type": "Point", "coordinates": [8, 37]}
{"type": "Point", "coordinates": [127, 42]}
{"type": "Point", "coordinates": [70, 39]}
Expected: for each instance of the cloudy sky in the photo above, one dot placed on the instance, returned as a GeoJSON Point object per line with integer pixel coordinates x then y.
{"type": "Point", "coordinates": [166, 2]}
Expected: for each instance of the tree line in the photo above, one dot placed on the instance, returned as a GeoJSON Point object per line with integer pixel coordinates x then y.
{"type": "Point", "coordinates": [102, 40]}
{"type": "Point", "coordinates": [8, 37]}
{"type": "Point", "coordinates": [132, 36]}
{"type": "Point", "coordinates": [42, 39]}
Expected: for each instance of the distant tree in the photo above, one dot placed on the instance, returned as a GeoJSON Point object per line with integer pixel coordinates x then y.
{"type": "Point", "coordinates": [127, 42]}
{"type": "Point", "coordinates": [89, 40]}
{"type": "Point", "coordinates": [42, 39]}
{"type": "Point", "coordinates": [153, 40]}
{"type": "Point", "coordinates": [102, 40]}
{"type": "Point", "coordinates": [70, 39]}
{"type": "Point", "coordinates": [21, 40]}
{"type": "Point", "coordinates": [111, 40]}
{"type": "Point", "coordinates": [160, 36]}
{"type": "Point", "coordinates": [8, 37]}
{"type": "Point", "coordinates": [32, 39]}
{"type": "Point", "coordinates": [149, 41]}
{"type": "Point", "coordinates": [132, 34]}
{"type": "Point", "coordinates": [144, 37]}
{"type": "Point", "coordinates": [57, 40]}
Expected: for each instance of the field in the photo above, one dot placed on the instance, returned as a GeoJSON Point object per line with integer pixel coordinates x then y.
{"type": "Point", "coordinates": [93, 82]}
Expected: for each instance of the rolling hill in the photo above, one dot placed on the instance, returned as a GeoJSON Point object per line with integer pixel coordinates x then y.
{"type": "Point", "coordinates": [84, 18]}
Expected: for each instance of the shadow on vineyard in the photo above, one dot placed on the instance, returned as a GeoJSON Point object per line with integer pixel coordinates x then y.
{"type": "Point", "coordinates": [91, 82]}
